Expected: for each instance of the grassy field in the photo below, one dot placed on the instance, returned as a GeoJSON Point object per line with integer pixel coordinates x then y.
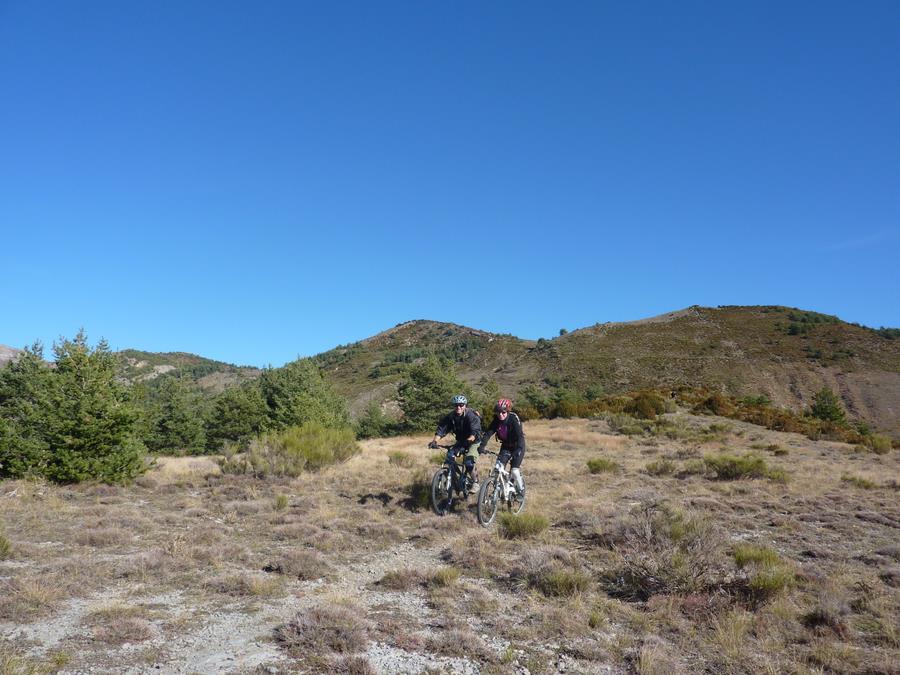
{"type": "Point", "coordinates": [698, 545]}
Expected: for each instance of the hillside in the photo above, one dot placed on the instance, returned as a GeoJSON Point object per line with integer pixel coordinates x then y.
{"type": "Point", "coordinates": [211, 376]}
{"type": "Point", "coordinates": [633, 554]}
{"type": "Point", "coordinates": [783, 353]}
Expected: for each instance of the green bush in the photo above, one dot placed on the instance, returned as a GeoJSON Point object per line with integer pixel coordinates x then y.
{"type": "Point", "coordinates": [747, 554]}
{"type": "Point", "coordinates": [603, 465]}
{"type": "Point", "coordinates": [561, 583]}
{"type": "Point", "coordinates": [828, 407]}
{"type": "Point", "coordinates": [734, 467]}
{"type": "Point", "coordinates": [292, 451]}
{"type": "Point", "coordinates": [523, 525]}
{"type": "Point", "coordinates": [878, 444]}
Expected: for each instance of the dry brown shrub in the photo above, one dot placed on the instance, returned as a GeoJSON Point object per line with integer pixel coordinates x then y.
{"type": "Point", "coordinates": [23, 600]}
{"type": "Point", "coordinates": [401, 579]}
{"type": "Point", "coordinates": [323, 629]}
{"type": "Point", "coordinates": [480, 554]}
{"type": "Point", "coordinates": [663, 550]}
{"type": "Point", "coordinates": [244, 585]}
{"type": "Point", "coordinates": [300, 564]}
{"type": "Point", "coordinates": [118, 624]}
{"type": "Point", "coordinates": [104, 536]}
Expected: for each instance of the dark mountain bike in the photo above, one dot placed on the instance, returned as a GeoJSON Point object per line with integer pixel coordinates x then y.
{"type": "Point", "coordinates": [498, 489]}
{"type": "Point", "coordinates": [450, 483]}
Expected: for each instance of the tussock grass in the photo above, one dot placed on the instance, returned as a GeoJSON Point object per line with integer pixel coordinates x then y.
{"type": "Point", "coordinates": [323, 630]}
{"type": "Point", "coordinates": [661, 467]}
{"type": "Point", "coordinates": [522, 526]}
{"type": "Point", "coordinates": [118, 624]}
{"type": "Point", "coordinates": [6, 549]}
{"type": "Point", "coordinates": [401, 579]}
{"type": "Point", "coordinates": [401, 459]}
{"type": "Point", "coordinates": [443, 576]}
{"type": "Point", "coordinates": [245, 585]}
{"type": "Point", "coordinates": [25, 599]}
{"type": "Point", "coordinates": [858, 481]}
{"type": "Point", "coordinates": [603, 465]}
{"type": "Point", "coordinates": [747, 554]}
{"type": "Point", "coordinates": [281, 502]}
{"type": "Point", "coordinates": [301, 564]}
{"type": "Point", "coordinates": [102, 536]}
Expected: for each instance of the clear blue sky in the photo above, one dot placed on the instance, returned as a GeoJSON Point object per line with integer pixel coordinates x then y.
{"type": "Point", "coordinates": [256, 181]}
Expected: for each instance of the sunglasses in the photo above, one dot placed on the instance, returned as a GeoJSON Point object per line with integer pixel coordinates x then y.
{"type": "Point", "coordinates": [460, 405]}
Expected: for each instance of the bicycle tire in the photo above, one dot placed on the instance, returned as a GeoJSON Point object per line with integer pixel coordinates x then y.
{"type": "Point", "coordinates": [487, 501]}
{"type": "Point", "coordinates": [518, 503]}
{"type": "Point", "coordinates": [440, 491]}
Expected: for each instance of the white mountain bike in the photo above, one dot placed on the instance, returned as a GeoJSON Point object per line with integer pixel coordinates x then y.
{"type": "Point", "coordinates": [498, 489]}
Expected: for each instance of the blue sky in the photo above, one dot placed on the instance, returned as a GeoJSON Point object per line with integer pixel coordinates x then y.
{"type": "Point", "coordinates": [254, 182]}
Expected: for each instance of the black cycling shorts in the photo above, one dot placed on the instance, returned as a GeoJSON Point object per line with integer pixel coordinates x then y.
{"type": "Point", "coordinates": [516, 455]}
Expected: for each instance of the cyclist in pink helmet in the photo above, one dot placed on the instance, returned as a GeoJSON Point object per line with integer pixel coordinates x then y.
{"type": "Point", "coordinates": [508, 428]}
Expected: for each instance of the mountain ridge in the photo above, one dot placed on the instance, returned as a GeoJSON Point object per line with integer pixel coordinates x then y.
{"type": "Point", "coordinates": [784, 353]}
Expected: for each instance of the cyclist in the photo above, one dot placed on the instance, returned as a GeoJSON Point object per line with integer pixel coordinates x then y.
{"type": "Point", "coordinates": [466, 426]}
{"type": "Point", "coordinates": [508, 428]}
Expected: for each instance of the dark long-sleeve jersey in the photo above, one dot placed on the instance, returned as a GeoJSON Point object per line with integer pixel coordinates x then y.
{"type": "Point", "coordinates": [462, 426]}
{"type": "Point", "coordinates": [510, 433]}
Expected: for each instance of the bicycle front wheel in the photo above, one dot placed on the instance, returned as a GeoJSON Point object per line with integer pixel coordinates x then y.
{"type": "Point", "coordinates": [488, 497]}
{"type": "Point", "coordinates": [517, 503]}
{"type": "Point", "coordinates": [440, 491]}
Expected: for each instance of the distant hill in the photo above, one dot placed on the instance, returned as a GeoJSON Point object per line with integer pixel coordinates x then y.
{"type": "Point", "coordinates": [211, 376]}
{"type": "Point", "coordinates": [783, 353]}
{"type": "Point", "coordinates": [787, 354]}
{"type": "Point", "coordinates": [8, 354]}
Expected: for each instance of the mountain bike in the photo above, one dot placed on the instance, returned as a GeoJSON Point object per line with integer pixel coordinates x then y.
{"type": "Point", "coordinates": [498, 489]}
{"type": "Point", "coordinates": [451, 479]}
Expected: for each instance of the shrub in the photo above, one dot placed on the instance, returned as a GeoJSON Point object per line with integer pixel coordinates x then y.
{"type": "Point", "coordinates": [661, 467]}
{"type": "Point", "coordinates": [717, 404]}
{"type": "Point", "coordinates": [733, 467]}
{"type": "Point", "coordinates": [523, 525]}
{"type": "Point", "coordinates": [858, 481]}
{"type": "Point", "coordinates": [444, 576]}
{"type": "Point", "coordinates": [293, 450]}
{"type": "Point", "coordinates": [827, 406]}
{"type": "Point", "coordinates": [281, 502]}
{"type": "Point", "coordinates": [602, 465]}
{"type": "Point", "coordinates": [401, 459]}
{"type": "Point", "coordinates": [5, 547]}
{"type": "Point", "coordinates": [401, 579]}
{"type": "Point", "coordinates": [419, 491]}
{"type": "Point", "coordinates": [320, 630]}
{"type": "Point", "coordinates": [561, 583]}
{"type": "Point", "coordinates": [663, 550]}
{"type": "Point", "coordinates": [747, 554]}
{"type": "Point", "coordinates": [646, 405]}
{"type": "Point", "coordinates": [878, 444]}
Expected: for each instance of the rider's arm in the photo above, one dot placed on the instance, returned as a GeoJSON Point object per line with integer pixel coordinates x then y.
{"type": "Point", "coordinates": [474, 429]}
{"type": "Point", "coordinates": [490, 431]}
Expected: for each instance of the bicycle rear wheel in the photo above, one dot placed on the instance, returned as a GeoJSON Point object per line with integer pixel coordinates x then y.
{"type": "Point", "coordinates": [440, 491]}
{"type": "Point", "coordinates": [488, 497]}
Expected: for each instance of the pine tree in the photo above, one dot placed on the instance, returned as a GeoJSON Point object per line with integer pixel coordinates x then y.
{"type": "Point", "coordinates": [425, 393]}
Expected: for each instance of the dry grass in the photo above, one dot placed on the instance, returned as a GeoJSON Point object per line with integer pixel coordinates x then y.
{"type": "Point", "coordinates": [323, 630]}
{"type": "Point", "coordinates": [726, 575]}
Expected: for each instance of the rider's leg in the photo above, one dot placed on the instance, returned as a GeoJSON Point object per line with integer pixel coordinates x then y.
{"type": "Point", "coordinates": [471, 457]}
{"type": "Point", "coordinates": [516, 463]}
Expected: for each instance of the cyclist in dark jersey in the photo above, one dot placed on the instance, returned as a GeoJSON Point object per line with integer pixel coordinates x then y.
{"type": "Point", "coordinates": [466, 427]}
{"type": "Point", "coordinates": [508, 428]}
